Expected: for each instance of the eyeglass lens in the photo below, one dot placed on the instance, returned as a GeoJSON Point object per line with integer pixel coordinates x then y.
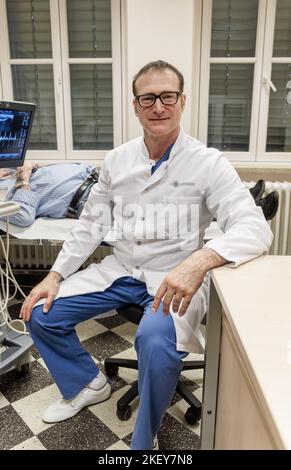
{"type": "Point", "coordinates": [167, 98]}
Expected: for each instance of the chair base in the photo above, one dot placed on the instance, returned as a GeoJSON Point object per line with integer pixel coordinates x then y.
{"type": "Point", "coordinates": [123, 409]}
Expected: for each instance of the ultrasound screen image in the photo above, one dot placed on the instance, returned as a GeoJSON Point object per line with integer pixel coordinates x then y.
{"type": "Point", "coordinates": [14, 126]}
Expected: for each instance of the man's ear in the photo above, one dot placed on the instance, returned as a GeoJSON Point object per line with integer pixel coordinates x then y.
{"type": "Point", "coordinates": [135, 106]}
{"type": "Point", "coordinates": [183, 101]}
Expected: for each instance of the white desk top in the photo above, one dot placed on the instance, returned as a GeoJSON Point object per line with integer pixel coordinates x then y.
{"type": "Point", "coordinates": [256, 299]}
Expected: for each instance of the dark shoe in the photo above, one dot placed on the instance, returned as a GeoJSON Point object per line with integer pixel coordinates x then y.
{"type": "Point", "coordinates": [269, 204]}
{"type": "Point", "coordinates": [258, 190]}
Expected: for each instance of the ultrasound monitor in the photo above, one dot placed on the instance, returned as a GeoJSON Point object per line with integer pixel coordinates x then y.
{"type": "Point", "coordinates": [15, 126]}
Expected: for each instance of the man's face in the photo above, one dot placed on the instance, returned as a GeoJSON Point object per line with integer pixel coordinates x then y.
{"type": "Point", "coordinates": [160, 119]}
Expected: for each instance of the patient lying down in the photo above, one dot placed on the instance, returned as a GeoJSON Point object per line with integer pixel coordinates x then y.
{"type": "Point", "coordinates": [55, 191]}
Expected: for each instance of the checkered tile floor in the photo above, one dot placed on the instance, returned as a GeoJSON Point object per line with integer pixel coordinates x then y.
{"type": "Point", "coordinates": [23, 399]}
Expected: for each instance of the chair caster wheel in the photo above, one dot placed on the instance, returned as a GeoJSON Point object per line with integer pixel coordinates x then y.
{"type": "Point", "coordinates": [124, 414]}
{"type": "Point", "coordinates": [23, 370]}
{"type": "Point", "coordinates": [111, 370]}
{"type": "Point", "coordinates": [192, 415]}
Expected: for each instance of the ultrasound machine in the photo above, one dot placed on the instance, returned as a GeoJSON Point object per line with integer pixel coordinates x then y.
{"type": "Point", "coordinates": [15, 126]}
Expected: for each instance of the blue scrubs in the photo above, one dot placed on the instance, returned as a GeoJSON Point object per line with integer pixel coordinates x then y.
{"type": "Point", "coordinates": [73, 368]}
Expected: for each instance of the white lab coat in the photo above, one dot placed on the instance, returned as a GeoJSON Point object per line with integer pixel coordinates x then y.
{"type": "Point", "coordinates": [200, 179]}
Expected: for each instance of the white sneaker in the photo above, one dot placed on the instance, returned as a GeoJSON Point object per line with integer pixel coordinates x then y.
{"type": "Point", "coordinates": [65, 409]}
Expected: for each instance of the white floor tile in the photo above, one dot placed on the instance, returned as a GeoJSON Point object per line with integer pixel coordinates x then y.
{"type": "Point", "coordinates": [126, 331]}
{"type": "Point", "coordinates": [42, 363]}
{"type": "Point", "coordinates": [119, 445]}
{"type": "Point", "coordinates": [89, 328]}
{"type": "Point", "coordinates": [31, 407]}
{"type": "Point", "coordinates": [30, 444]}
{"type": "Point", "coordinates": [178, 411]}
{"type": "Point", "coordinates": [129, 375]}
{"type": "Point", "coordinates": [106, 412]}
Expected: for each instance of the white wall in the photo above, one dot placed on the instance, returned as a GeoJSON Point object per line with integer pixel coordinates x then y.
{"type": "Point", "coordinates": [158, 29]}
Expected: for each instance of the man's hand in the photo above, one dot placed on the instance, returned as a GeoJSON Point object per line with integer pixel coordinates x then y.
{"type": "Point", "coordinates": [48, 289]}
{"type": "Point", "coordinates": [183, 282]}
{"type": "Point", "coordinates": [24, 172]}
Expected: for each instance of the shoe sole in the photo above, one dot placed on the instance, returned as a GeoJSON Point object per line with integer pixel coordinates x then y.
{"type": "Point", "coordinates": [106, 392]}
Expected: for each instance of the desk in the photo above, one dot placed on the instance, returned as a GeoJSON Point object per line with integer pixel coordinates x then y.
{"type": "Point", "coordinates": [247, 382]}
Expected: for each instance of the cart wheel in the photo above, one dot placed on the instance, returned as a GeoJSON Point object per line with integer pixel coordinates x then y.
{"type": "Point", "coordinates": [111, 370]}
{"type": "Point", "coordinates": [192, 415]}
{"type": "Point", "coordinates": [124, 414]}
{"type": "Point", "coordinates": [23, 370]}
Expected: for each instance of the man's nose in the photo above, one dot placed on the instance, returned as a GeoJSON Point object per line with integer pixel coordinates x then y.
{"type": "Point", "coordinates": [158, 106]}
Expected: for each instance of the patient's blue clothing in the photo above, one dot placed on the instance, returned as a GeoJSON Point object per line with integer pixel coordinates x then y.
{"type": "Point", "coordinates": [51, 190]}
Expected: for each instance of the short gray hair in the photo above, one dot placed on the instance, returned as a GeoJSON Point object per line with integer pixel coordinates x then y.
{"type": "Point", "coordinates": [158, 65]}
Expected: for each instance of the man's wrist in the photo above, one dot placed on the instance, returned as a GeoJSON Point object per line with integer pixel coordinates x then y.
{"type": "Point", "coordinates": [207, 259]}
{"type": "Point", "coordinates": [211, 259]}
{"type": "Point", "coordinates": [55, 276]}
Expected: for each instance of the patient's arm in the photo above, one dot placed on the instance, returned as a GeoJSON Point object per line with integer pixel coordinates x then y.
{"type": "Point", "coordinates": [28, 201]}
{"type": "Point", "coordinates": [25, 197]}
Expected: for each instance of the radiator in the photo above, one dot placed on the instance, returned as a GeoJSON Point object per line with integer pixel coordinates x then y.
{"type": "Point", "coordinates": [26, 254]}
{"type": "Point", "coordinates": [281, 223]}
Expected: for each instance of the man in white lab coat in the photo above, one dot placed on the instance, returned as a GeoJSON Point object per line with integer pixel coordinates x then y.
{"type": "Point", "coordinates": [158, 192]}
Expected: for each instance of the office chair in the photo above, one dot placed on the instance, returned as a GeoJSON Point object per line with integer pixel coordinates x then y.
{"type": "Point", "coordinates": [134, 313]}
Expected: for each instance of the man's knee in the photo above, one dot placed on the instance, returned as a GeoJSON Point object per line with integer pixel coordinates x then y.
{"type": "Point", "coordinates": [156, 336]}
{"type": "Point", "coordinates": [44, 321]}
{"type": "Point", "coordinates": [36, 320]}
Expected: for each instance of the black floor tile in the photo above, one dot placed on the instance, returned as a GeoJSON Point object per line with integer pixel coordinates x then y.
{"type": "Point", "coordinates": [14, 387]}
{"type": "Point", "coordinates": [106, 345]}
{"type": "Point", "coordinates": [175, 436]}
{"type": "Point", "coordinates": [111, 322]}
{"type": "Point", "coordinates": [83, 431]}
{"type": "Point", "coordinates": [13, 428]}
{"type": "Point", "coordinates": [127, 439]}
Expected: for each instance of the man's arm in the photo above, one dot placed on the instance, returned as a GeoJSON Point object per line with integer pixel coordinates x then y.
{"type": "Point", "coordinates": [246, 236]}
{"type": "Point", "coordinates": [182, 283]}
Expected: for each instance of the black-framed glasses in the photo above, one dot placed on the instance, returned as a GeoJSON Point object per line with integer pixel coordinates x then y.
{"type": "Point", "coordinates": [167, 98]}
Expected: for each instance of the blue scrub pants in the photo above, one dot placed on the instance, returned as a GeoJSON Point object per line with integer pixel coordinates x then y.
{"type": "Point", "coordinates": [73, 368]}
